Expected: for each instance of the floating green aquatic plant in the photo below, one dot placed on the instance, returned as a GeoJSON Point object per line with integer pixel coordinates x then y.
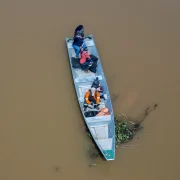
{"type": "Point", "coordinates": [122, 131]}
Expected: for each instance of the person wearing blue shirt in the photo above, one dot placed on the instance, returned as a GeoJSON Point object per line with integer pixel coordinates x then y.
{"type": "Point", "coordinates": [78, 40]}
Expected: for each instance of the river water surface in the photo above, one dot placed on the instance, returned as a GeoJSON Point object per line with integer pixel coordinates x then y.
{"type": "Point", "coordinates": [41, 134]}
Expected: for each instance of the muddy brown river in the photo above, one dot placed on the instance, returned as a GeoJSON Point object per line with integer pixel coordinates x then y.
{"type": "Point", "coordinates": [41, 127]}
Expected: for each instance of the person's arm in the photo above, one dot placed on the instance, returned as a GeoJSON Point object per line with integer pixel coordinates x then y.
{"type": "Point", "coordinates": [79, 36]}
{"type": "Point", "coordinates": [98, 98]}
{"type": "Point", "coordinates": [75, 38]}
{"type": "Point", "coordinates": [87, 98]}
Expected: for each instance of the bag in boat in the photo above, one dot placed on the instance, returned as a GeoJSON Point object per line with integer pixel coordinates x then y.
{"type": "Point", "coordinates": [75, 62]}
{"type": "Point", "coordinates": [94, 58]}
{"type": "Point", "coordinates": [91, 113]}
{"type": "Point", "coordinates": [94, 65]}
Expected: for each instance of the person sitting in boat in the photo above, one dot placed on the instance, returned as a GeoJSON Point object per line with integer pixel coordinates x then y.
{"type": "Point", "coordinates": [78, 40]}
{"type": "Point", "coordinates": [85, 60]}
{"type": "Point", "coordinates": [92, 99]}
{"type": "Point", "coordinates": [99, 88]}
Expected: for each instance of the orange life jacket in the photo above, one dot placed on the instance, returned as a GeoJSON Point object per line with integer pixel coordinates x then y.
{"type": "Point", "coordinates": [84, 56]}
{"type": "Point", "coordinates": [89, 97]}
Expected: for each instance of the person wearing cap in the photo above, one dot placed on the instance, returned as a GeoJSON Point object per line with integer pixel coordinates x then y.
{"type": "Point", "coordinates": [99, 88]}
{"type": "Point", "coordinates": [78, 40]}
{"type": "Point", "coordinates": [96, 83]}
{"type": "Point", "coordinates": [92, 98]}
{"type": "Point", "coordinates": [85, 60]}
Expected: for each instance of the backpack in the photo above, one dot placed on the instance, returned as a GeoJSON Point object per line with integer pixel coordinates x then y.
{"type": "Point", "coordinates": [91, 113]}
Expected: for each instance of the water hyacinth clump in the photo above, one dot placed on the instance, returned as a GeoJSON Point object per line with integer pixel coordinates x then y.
{"type": "Point", "coordinates": [122, 132]}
